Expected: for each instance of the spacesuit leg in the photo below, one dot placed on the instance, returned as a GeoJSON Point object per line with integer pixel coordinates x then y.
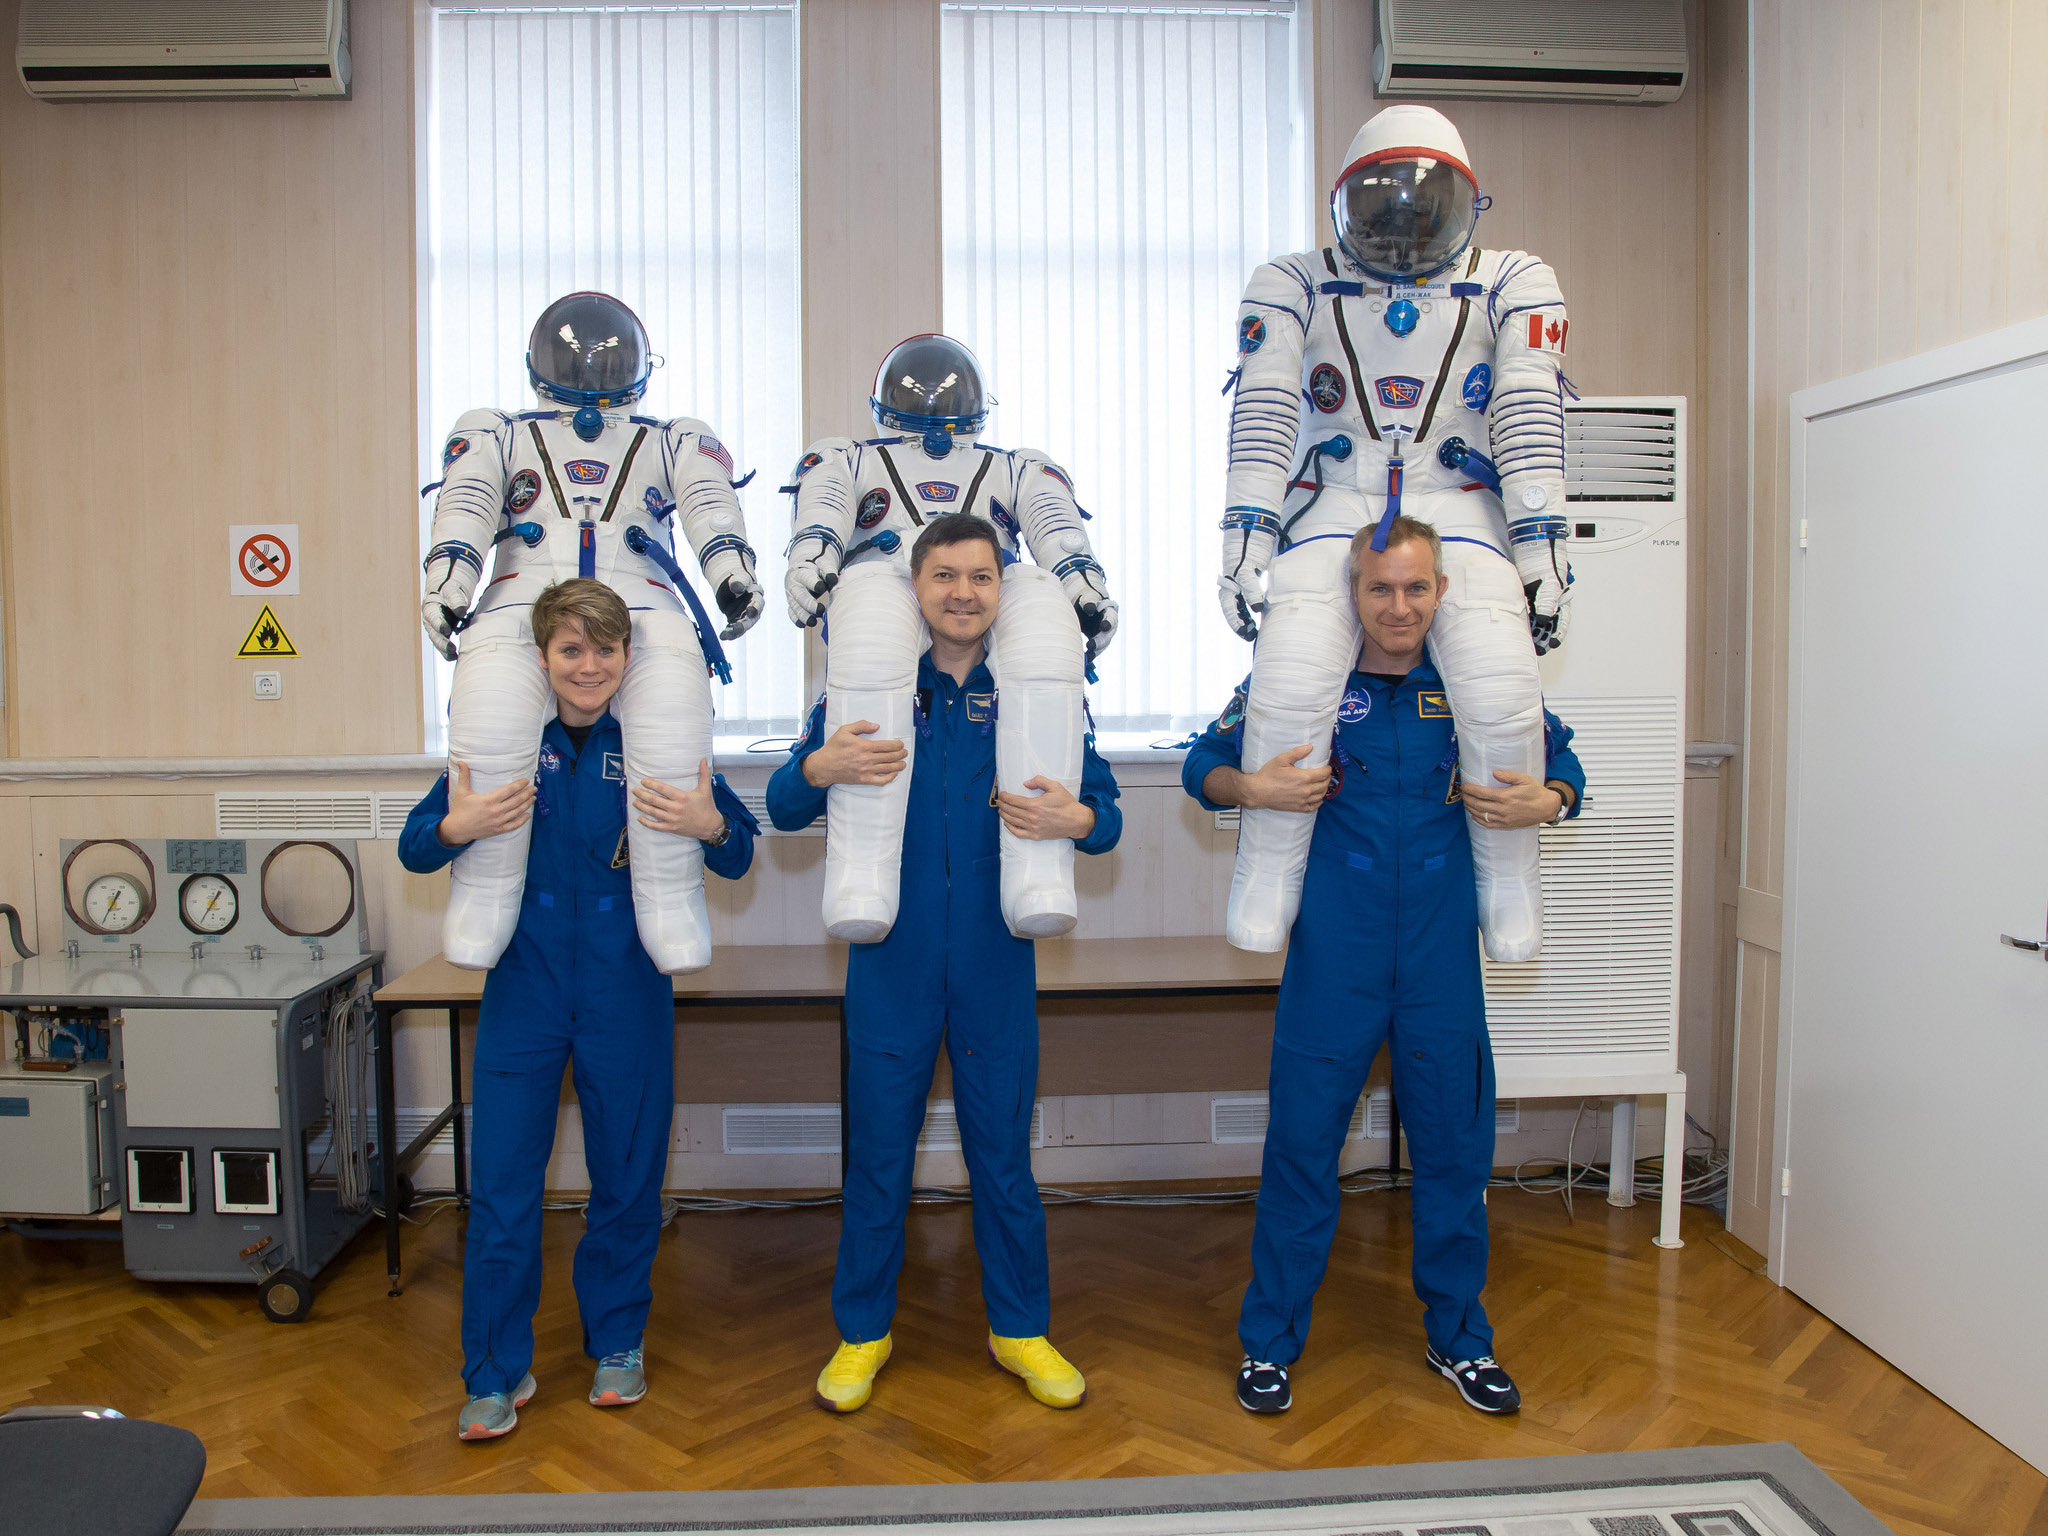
{"type": "Point", "coordinates": [1480, 644]}
{"type": "Point", "coordinates": [1307, 646]}
{"type": "Point", "coordinates": [664, 710]}
{"type": "Point", "coordinates": [876, 637]}
{"type": "Point", "coordinates": [1037, 657]}
{"type": "Point", "coordinates": [497, 706]}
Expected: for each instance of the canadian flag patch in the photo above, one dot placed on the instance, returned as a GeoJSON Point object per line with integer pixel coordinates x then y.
{"type": "Point", "coordinates": [1547, 333]}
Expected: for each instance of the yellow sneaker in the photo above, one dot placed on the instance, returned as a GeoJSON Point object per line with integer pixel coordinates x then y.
{"type": "Point", "coordinates": [1045, 1370]}
{"type": "Point", "coordinates": [849, 1376]}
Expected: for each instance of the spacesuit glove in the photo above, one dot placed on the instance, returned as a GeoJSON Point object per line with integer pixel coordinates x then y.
{"type": "Point", "coordinates": [1547, 583]}
{"type": "Point", "coordinates": [1093, 606]}
{"type": "Point", "coordinates": [1241, 588]}
{"type": "Point", "coordinates": [809, 580]}
{"type": "Point", "coordinates": [734, 587]}
{"type": "Point", "coordinates": [449, 584]}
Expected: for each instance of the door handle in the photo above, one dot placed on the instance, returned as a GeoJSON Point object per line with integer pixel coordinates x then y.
{"type": "Point", "coordinates": [2037, 946]}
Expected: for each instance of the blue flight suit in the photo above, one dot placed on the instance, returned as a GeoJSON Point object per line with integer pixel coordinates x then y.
{"type": "Point", "coordinates": [949, 966]}
{"type": "Point", "coordinates": [1385, 950]}
{"type": "Point", "coordinates": [573, 986]}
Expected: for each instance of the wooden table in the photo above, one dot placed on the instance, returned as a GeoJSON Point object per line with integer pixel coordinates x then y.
{"type": "Point", "coordinates": [781, 975]}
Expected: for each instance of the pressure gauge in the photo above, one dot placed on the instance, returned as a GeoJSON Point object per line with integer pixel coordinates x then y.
{"type": "Point", "coordinates": [114, 904]}
{"type": "Point", "coordinates": [208, 904]}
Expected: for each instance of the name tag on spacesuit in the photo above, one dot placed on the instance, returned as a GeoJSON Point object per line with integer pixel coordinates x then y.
{"type": "Point", "coordinates": [615, 767]}
{"type": "Point", "coordinates": [981, 708]}
{"type": "Point", "coordinates": [1432, 706]}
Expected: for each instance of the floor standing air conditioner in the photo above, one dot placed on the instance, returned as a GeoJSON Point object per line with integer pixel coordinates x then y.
{"type": "Point", "coordinates": [1597, 1012]}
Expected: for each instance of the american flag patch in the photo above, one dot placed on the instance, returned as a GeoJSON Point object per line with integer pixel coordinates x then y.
{"type": "Point", "coordinates": [712, 448]}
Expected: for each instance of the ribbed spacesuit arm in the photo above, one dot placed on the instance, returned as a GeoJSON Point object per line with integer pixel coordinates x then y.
{"type": "Point", "coordinates": [1526, 416]}
{"type": "Point", "coordinates": [707, 509]}
{"type": "Point", "coordinates": [1048, 515]}
{"type": "Point", "coordinates": [826, 488]}
{"type": "Point", "coordinates": [474, 465]}
{"type": "Point", "coordinates": [1272, 333]}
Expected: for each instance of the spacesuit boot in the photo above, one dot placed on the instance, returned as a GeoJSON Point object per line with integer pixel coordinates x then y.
{"type": "Point", "coordinates": [499, 704]}
{"type": "Point", "coordinates": [877, 635]}
{"type": "Point", "coordinates": [1036, 656]}
{"type": "Point", "coordinates": [1480, 644]}
{"type": "Point", "coordinates": [1306, 648]}
{"type": "Point", "coordinates": [664, 713]}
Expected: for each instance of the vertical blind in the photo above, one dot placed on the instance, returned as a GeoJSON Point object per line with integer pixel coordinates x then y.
{"type": "Point", "coordinates": [650, 153]}
{"type": "Point", "coordinates": [1110, 178]}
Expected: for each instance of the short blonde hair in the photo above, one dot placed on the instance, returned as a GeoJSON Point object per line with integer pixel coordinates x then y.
{"type": "Point", "coordinates": [601, 611]}
{"type": "Point", "coordinates": [1400, 531]}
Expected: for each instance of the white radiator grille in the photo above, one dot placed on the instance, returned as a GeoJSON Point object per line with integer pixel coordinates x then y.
{"type": "Point", "coordinates": [1243, 1120]}
{"type": "Point", "coordinates": [781, 1128]}
{"type": "Point", "coordinates": [756, 800]}
{"type": "Point", "coordinates": [1614, 454]}
{"type": "Point", "coordinates": [281, 815]}
{"type": "Point", "coordinates": [1623, 740]}
{"type": "Point", "coordinates": [941, 1131]}
{"type": "Point", "coordinates": [175, 23]}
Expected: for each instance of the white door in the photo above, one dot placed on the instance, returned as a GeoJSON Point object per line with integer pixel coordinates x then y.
{"type": "Point", "coordinates": [1915, 1043]}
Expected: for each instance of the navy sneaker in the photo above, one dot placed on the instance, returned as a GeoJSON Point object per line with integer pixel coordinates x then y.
{"type": "Point", "coordinates": [1262, 1387]}
{"type": "Point", "coordinates": [1481, 1382]}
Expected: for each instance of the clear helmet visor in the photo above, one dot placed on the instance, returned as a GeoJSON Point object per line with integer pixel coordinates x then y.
{"type": "Point", "coordinates": [1407, 218]}
{"type": "Point", "coordinates": [930, 381]}
{"type": "Point", "coordinates": [588, 349]}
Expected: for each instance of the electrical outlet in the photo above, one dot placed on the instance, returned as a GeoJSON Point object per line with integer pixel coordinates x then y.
{"type": "Point", "coordinates": [269, 685]}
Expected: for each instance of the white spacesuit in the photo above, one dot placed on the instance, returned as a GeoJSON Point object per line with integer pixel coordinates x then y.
{"type": "Point", "coordinates": [581, 488]}
{"type": "Point", "coordinates": [1403, 371]}
{"type": "Point", "coordinates": [859, 507]}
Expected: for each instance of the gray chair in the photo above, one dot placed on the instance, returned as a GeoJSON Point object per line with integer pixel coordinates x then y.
{"type": "Point", "coordinates": [91, 1472]}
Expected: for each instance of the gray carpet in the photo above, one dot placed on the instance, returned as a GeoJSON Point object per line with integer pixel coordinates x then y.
{"type": "Point", "coordinates": [1726, 1490]}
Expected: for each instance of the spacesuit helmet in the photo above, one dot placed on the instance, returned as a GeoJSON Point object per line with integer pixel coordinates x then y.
{"type": "Point", "coordinates": [588, 350]}
{"type": "Point", "coordinates": [930, 387]}
{"type": "Point", "coordinates": [1407, 203]}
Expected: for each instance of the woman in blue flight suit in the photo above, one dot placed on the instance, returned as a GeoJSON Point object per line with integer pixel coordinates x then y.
{"type": "Point", "coordinates": [574, 986]}
{"type": "Point", "coordinates": [949, 966]}
{"type": "Point", "coordinates": [1385, 951]}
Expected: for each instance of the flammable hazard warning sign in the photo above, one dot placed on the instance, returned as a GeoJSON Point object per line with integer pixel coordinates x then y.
{"type": "Point", "coordinates": [266, 638]}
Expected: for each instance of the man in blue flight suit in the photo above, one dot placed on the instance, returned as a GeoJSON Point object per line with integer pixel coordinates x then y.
{"type": "Point", "coordinates": [574, 986]}
{"type": "Point", "coordinates": [1385, 950]}
{"type": "Point", "coordinates": [949, 966]}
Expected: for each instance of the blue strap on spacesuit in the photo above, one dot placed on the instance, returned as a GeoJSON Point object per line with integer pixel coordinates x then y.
{"type": "Point", "coordinates": [886, 541]}
{"type": "Point", "coordinates": [1338, 448]}
{"type": "Point", "coordinates": [638, 541]}
{"type": "Point", "coordinates": [532, 533]}
{"type": "Point", "coordinates": [1396, 468]}
{"type": "Point", "coordinates": [1455, 454]}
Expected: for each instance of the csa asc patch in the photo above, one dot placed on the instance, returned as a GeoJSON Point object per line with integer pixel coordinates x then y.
{"type": "Point", "coordinates": [550, 759]}
{"type": "Point", "coordinates": [1432, 706]}
{"type": "Point", "coordinates": [807, 463]}
{"type": "Point", "coordinates": [456, 448]}
{"type": "Point", "coordinates": [873, 508]}
{"type": "Point", "coordinates": [1251, 334]}
{"type": "Point", "coordinates": [1399, 391]}
{"type": "Point", "coordinates": [713, 449]}
{"type": "Point", "coordinates": [1355, 706]}
{"type": "Point", "coordinates": [1326, 387]}
{"type": "Point", "coordinates": [587, 471]}
{"type": "Point", "coordinates": [938, 490]}
{"type": "Point", "coordinates": [1478, 387]}
{"type": "Point", "coordinates": [523, 491]}
{"type": "Point", "coordinates": [615, 766]}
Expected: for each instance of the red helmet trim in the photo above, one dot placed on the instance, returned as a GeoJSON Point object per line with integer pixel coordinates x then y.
{"type": "Point", "coordinates": [1404, 152]}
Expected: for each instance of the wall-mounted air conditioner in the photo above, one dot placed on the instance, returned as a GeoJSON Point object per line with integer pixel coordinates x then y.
{"type": "Point", "coordinates": [1540, 50]}
{"type": "Point", "coordinates": [138, 50]}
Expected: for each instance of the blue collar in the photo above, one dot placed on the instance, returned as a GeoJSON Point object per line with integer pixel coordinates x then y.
{"type": "Point", "coordinates": [603, 728]}
{"type": "Point", "coordinates": [978, 681]}
{"type": "Point", "coordinates": [1423, 675]}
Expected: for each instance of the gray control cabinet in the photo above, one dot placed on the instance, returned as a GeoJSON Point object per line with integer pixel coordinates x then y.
{"type": "Point", "coordinates": [57, 1140]}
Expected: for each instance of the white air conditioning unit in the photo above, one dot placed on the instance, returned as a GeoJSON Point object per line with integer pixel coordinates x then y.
{"type": "Point", "coordinates": [1602, 998]}
{"type": "Point", "coordinates": [1532, 50]}
{"type": "Point", "coordinates": [137, 50]}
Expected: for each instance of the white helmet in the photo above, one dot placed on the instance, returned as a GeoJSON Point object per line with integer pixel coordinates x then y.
{"type": "Point", "coordinates": [1406, 202]}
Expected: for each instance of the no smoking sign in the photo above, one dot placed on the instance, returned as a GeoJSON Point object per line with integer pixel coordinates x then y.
{"type": "Point", "coordinates": [265, 560]}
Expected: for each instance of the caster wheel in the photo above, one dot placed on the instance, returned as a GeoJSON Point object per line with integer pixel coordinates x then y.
{"type": "Point", "coordinates": [286, 1297]}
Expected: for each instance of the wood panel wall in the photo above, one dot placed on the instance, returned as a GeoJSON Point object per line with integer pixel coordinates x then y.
{"type": "Point", "coordinates": [1901, 200]}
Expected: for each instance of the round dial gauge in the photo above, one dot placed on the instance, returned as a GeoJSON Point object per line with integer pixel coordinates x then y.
{"type": "Point", "coordinates": [114, 903]}
{"type": "Point", "coordinates": [208, 904]}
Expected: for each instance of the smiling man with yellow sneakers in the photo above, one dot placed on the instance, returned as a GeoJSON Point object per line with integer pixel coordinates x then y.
{"type": "Point", "coordinates": [948, 967]}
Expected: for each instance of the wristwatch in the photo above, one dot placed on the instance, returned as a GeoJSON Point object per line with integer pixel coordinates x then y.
{"type": "Point", "coordinates": [1565, 800]}
{"type": "Point", "coordinates": [724, 834]}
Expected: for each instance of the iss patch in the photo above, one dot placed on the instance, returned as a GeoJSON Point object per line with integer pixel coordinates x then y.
{"type": "Point", "coordinates": [938, 490]}
{"type": "Point", "coordinates": [1398, 391]}
{"type": "Point", "coordinates": [873, 508]}
{"type": "Point", "coordinates": [1478, 387]}
{"type": "Point", "coordinates": [1355, 706]}
{"type": "Point", "coordinates": [587, 471]}
{"type": "Point", "coordinates": [456, 448]}
{"type": "Point", "coordinates": [1326, 388]}
{"type": "Point", "coordinates": [523, 491]}
{"type": "Point", "coordinates": [1251, 334]}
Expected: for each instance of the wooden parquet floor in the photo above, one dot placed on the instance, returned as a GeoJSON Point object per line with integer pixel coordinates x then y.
{"type": "Point", "coordinates": [1617, 1345]}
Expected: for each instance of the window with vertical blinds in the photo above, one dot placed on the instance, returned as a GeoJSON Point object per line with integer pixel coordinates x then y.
{"type": "Point", "coordinates": [650, 152]}
{"type": "Point", "coordinates": [1111, 175]}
